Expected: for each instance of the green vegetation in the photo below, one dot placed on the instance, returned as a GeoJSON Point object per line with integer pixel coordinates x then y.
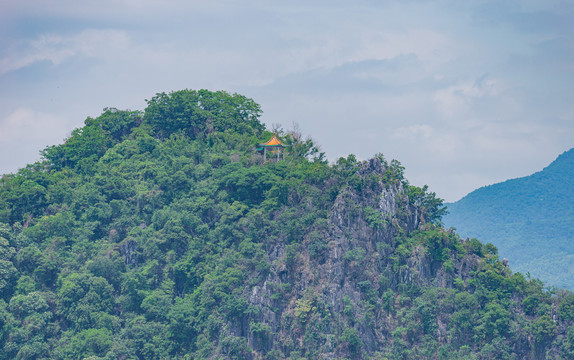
{"type": "Point", "coordinates": [529, 219]}
{"type": "Point", "coordinates": [162, 235]}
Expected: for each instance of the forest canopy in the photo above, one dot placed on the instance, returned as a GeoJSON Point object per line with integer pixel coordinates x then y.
{"type": "Point", "coordinates": [163, 234]}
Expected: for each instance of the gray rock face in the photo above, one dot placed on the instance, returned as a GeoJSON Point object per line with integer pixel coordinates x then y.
{"type": "Point", "coordinates": [388, 204]}
{"type": "Point", "coordinates": [310, 298]}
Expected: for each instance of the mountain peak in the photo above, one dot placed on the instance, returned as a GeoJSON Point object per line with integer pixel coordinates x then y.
{"type": "Point", "coordinates": [530, 220]}
{"type": "Point", "coordinates": [564, 161]}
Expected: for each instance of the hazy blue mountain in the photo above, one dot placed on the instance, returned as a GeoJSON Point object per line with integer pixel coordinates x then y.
{"type": "Point", "coordinates": [529, 219]}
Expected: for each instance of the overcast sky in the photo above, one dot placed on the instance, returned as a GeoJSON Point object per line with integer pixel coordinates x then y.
{"type": "Point", "coordinates": [462, 93]}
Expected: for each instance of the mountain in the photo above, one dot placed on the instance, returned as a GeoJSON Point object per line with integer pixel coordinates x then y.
{"type": "Point", "coordinates": [164, 234]}
{"type": "Point", "coordinates": [529, 219]}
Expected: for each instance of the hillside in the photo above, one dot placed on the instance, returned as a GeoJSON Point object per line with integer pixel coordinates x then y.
{"type": "Point", "coordinates": [162, 234]}
{"type": "Point", "coordinates": [530, 220]}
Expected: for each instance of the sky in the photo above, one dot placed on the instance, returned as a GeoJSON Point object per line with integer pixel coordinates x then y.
{"type": "Point", "coordinates": [463, 93]}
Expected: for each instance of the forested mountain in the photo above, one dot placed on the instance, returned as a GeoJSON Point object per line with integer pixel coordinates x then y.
{"type": "Point", "coordinates": [530, 219]}
{"type": "Point", "coordinates": [162, 234]}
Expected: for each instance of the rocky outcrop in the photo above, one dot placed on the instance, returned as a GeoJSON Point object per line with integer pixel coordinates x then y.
{"type": "Point", "coordinates": [366, 281]}
{"type": "Point", "coordinates": [312, 297]}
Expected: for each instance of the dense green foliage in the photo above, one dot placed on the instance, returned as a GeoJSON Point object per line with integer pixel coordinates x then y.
{"type": "Point", "coordinates": [162, 235]}
{"type": "Point", "coordinates": [529, 219]}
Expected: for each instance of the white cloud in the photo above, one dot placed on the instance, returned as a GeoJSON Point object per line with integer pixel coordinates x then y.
{"type": "Point", "coordinates": [91, 9]}
{"type": "Point", "coordinates": [24, 133]}
{"type": "Point", "coordinates": [413, 132]}
{"type": "Point", "coordinates": [28, 124]}
{"type": "Point", "coordinates": [456, 100]}
{"type": "Point", "coordinates": [57, 48]}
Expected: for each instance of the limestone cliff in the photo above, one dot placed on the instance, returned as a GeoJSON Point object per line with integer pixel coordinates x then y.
{"type": "Point", "coordinates": [354, 284]}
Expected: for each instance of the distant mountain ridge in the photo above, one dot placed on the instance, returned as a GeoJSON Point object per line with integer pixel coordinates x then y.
{"type": "Point", "coordinates": [529, 219]}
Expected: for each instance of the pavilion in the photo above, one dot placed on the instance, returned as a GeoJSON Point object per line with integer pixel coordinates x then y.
{"type": "Point", "coordinates": [273, 146]}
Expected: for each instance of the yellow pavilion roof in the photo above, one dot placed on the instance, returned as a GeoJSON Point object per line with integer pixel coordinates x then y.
{"type": "Point", "coordinates": [274, 142]}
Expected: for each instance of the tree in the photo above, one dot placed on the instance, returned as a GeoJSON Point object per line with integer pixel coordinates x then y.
{"type": "Point", "coordinates": [198, 113]}
{"type": "Point", "coordinates": [116, 124]}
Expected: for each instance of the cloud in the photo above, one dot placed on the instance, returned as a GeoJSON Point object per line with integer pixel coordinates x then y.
{"type": "Point", "coordinates": [457, 100]}
{"type": "Point", "coordinates": [28, 124]}
{"type": "Point", "coordinates": [57, 49]}
{"type": "Point", "coordinates": [90, 9]}
{"type": "Point", "coordinates": [414, 132]}
{"type": "Point", "coordinates": [361, 76]}
{"type": "Point", "coordinates": [524, 16]}
{"type": "Point", "coordinates": [25, 132]}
